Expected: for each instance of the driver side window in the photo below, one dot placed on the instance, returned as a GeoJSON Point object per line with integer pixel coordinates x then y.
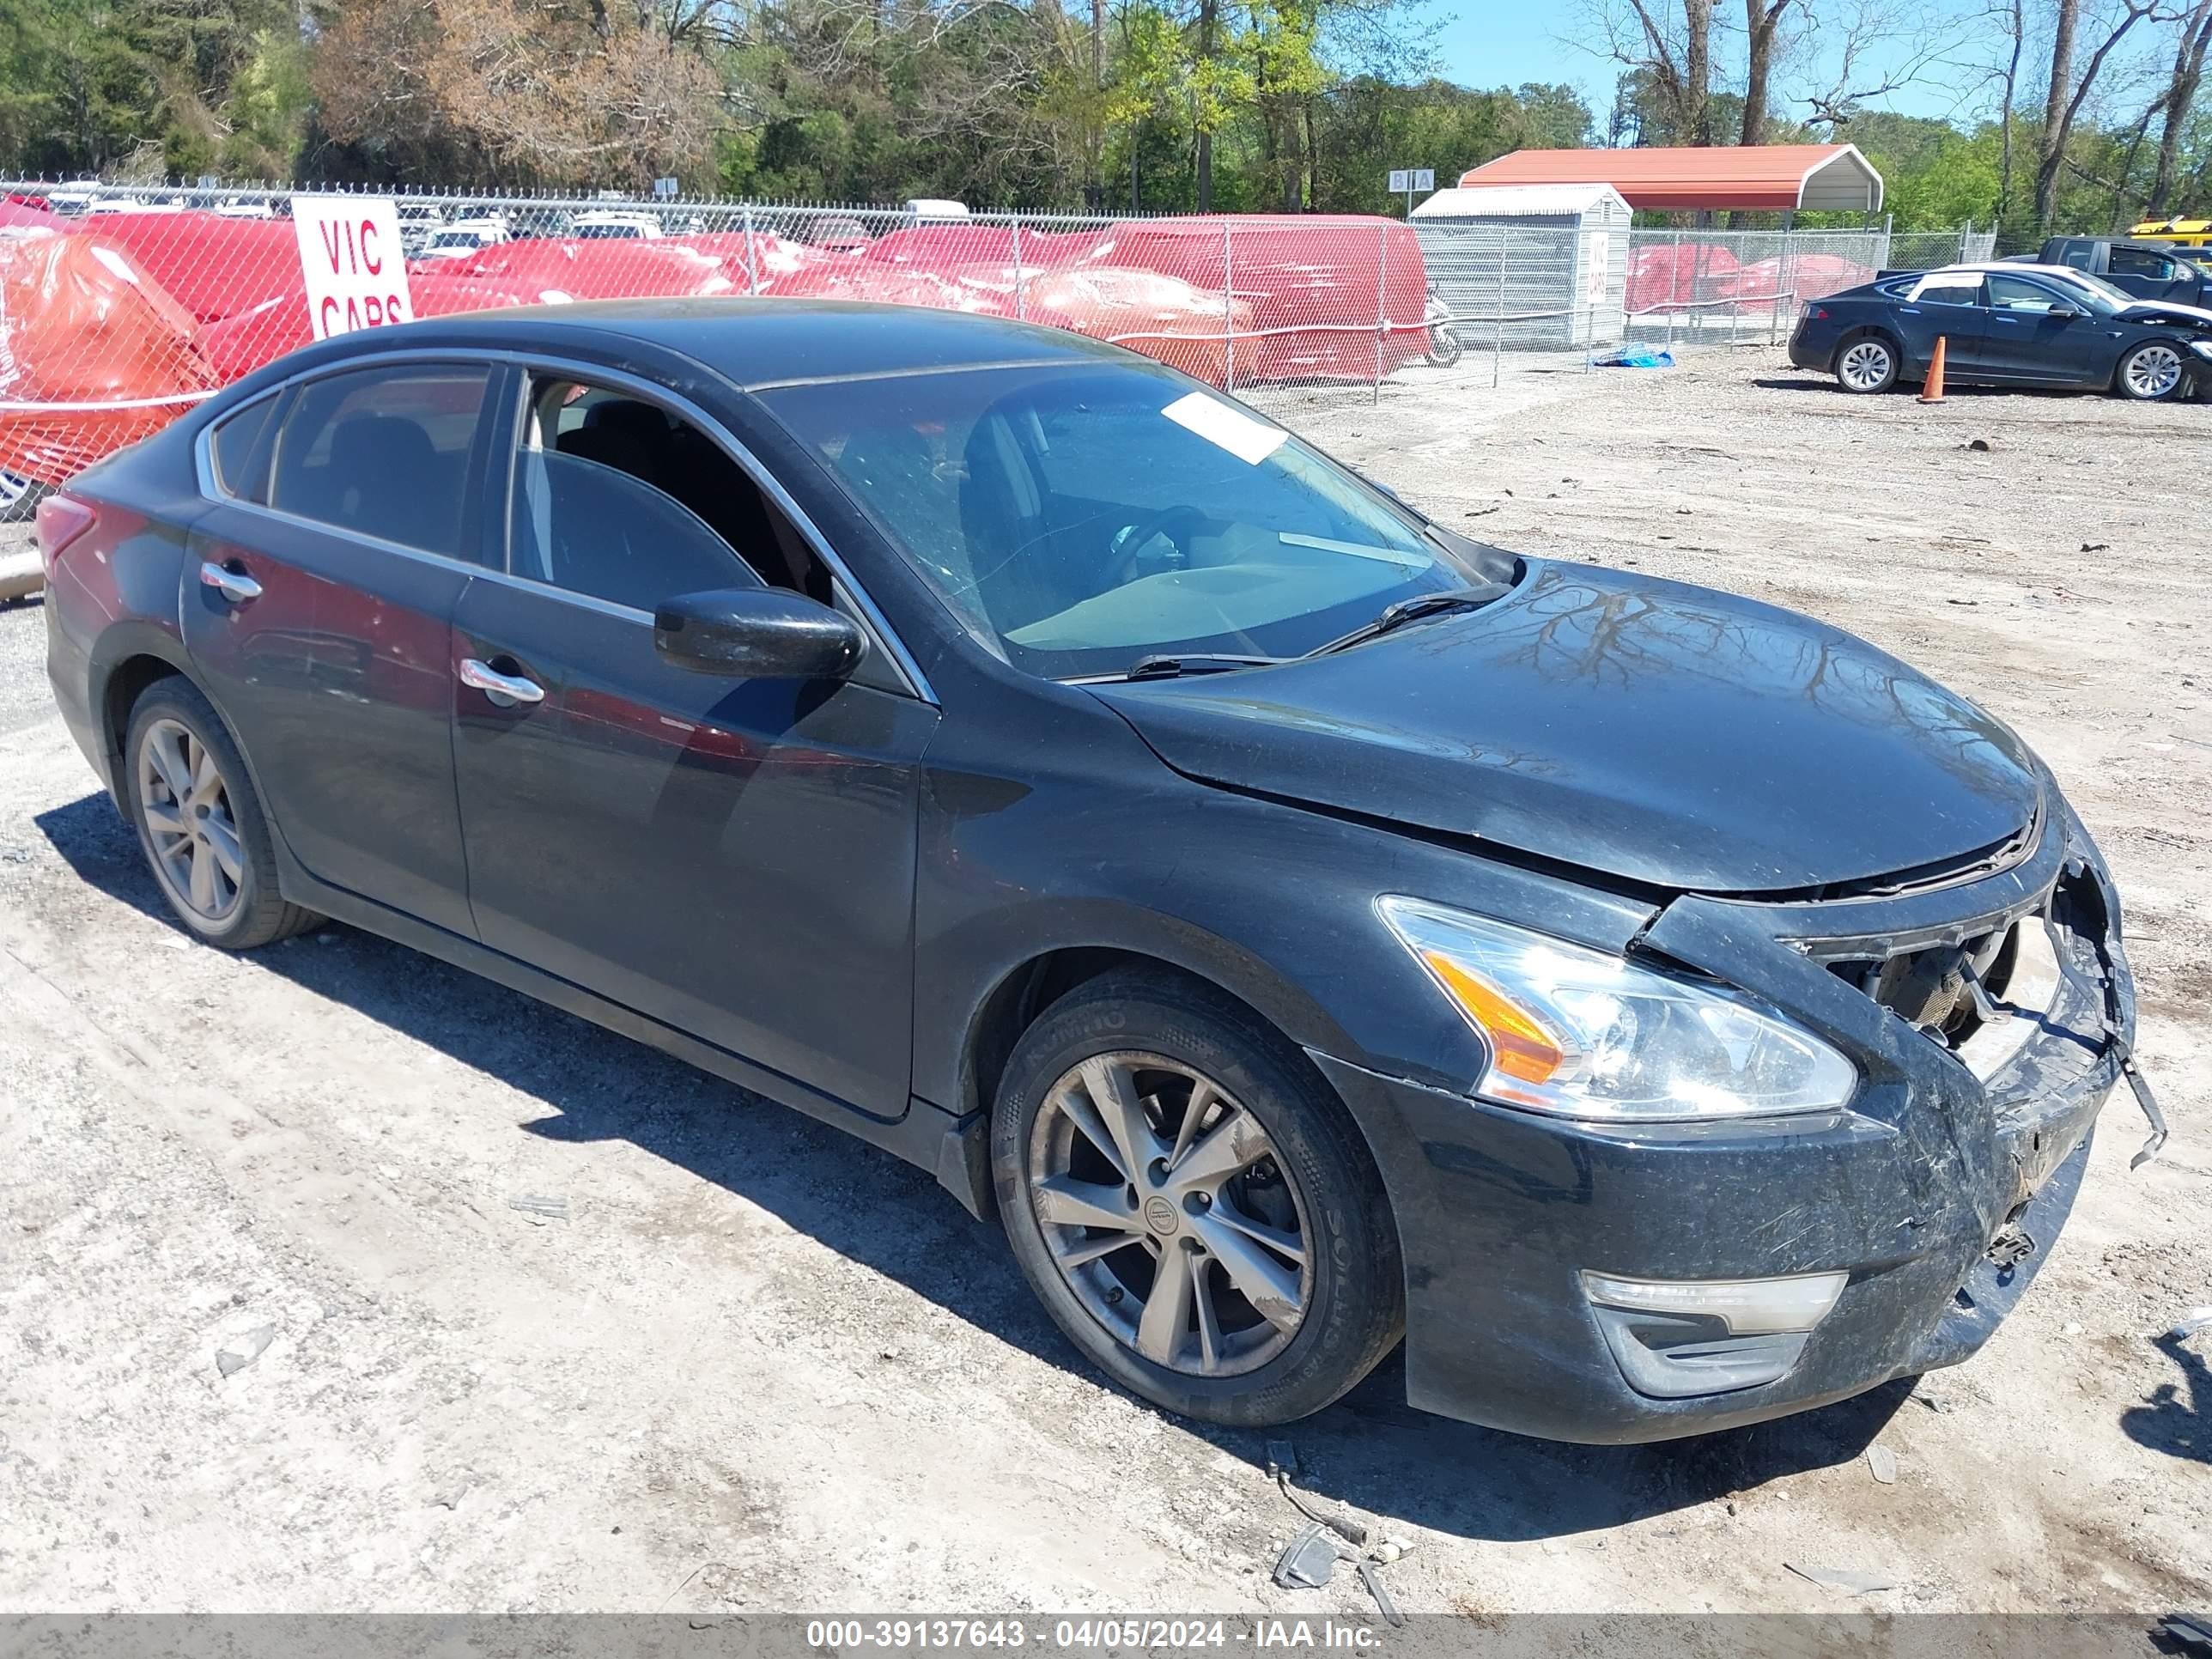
{"type": "Point", "coordinates": [614, 498]}
{"type": "Point", "coordinates": [2012, 294]}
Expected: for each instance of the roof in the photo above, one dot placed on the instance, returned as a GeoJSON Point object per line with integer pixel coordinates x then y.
{"type": "Point", "coordinates": [1776, 177]}
{"type": "Point", "coordinates": [759, 343]}
{"type": "Point", "coordinates": [1519, 201]}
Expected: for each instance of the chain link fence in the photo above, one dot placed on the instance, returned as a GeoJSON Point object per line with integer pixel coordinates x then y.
{"type": "Point", "coordinates": [119, 308]}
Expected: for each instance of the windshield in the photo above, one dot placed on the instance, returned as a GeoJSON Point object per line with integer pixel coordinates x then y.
{"type": "Point", "coordinates": [1080, 519]}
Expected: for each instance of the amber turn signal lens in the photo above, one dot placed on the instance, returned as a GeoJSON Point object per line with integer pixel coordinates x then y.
{"type": "Point", "coordinates": [1523, 1048]}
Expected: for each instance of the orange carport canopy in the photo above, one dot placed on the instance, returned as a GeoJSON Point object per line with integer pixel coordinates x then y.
{"type": "Point", "coordinates": [1777, 177]}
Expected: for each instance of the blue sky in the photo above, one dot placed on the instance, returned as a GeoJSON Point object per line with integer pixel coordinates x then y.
{"type": "Point", "coordinates": [1490, 43]}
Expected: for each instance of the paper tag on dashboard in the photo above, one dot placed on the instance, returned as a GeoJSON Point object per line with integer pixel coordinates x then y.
{"type": "Point", "coordinates": [1226, 426]}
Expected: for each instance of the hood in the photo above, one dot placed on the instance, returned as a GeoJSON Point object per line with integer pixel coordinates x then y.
{"type": "Point", "coordinates": [1646, 730]}
{"type": "Point", "coordinates": [2163, 311]}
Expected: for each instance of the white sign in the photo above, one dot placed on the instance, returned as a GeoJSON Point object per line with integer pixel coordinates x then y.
{"type": "Point", "coordinates": [666, 188]}
{"type": "Point", "coordinates": [1425, 179]}
{"type": "Point", "coordinates": [1398, 184]}
{"type": "Point", "coordinates": [1597, 273]}
{"type": "Point", "coordinates": [350, 256]}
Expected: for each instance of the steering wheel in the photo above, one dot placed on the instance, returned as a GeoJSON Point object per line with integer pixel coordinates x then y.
{"type": "Point", "coordinates": [1130, 541]}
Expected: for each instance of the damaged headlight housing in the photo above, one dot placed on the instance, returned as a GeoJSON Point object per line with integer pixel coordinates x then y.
{"type": "Point", "coordinates": [1580, 1033]}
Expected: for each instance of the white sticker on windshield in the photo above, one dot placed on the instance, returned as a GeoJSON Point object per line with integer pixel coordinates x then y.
{"type": "Point", "coordinates": [1223, 424]}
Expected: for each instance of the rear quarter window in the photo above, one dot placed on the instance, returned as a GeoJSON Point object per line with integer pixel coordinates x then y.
{"type": "Point", "coordinates": [240, 456]}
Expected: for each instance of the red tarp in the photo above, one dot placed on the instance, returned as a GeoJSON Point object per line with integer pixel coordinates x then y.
{"type": "Point", "coordinates": [1308, 291]}
{"type": "Point", "coordinates": [80, 324]}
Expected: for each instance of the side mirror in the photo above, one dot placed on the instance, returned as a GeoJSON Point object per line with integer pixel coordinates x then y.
{"type": "Point", "coordinates": [758, 634]}
{"type": "Point", "coordinates": [2062, 314]}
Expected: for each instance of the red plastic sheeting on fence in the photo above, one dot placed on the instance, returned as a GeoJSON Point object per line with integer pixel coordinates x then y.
{"type": "Point", "coordinates": [1318, 286]}
{"type": "Point", "coordinates": [1229, 300]}
{"type": "Point", "coordinates": [81, 323]}
{"type": "Point", "coordinates": [1676, 273]}
{"type": "Point", "coordinates": [1808, 276]}
{"type": "Point", "coordinates": [20, 213]}
{"type": "Point", "coordinates": [213, 267]}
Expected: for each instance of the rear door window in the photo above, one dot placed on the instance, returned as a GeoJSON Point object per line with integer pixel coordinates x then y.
{"type": "Point", "coordinates": [386, 453]}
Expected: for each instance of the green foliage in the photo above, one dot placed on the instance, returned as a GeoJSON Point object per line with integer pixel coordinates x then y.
{"type": "Point", "coordinates": [1301, 103]}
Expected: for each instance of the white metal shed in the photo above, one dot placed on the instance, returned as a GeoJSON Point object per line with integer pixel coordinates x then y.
{"type": "Point", "coordinates": [1553, 258]}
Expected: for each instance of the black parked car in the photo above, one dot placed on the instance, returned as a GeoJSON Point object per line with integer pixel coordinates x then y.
{"type": "Point", "coordinates": [1301, 924]}
{"type": "Point", "coordinates": [2006, 326]}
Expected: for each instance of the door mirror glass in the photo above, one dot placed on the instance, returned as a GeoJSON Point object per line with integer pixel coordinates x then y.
{"type": "Point", "coordinates": [758, 634]}
{"type": "Point", "coordinates": [2062, 313]}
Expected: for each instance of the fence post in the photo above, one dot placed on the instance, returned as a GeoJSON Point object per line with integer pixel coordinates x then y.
{"type": "Point", "coordinates": [1381, 304]}
{"type": "Point", "coordinates": [1021, 298]}
{"type": "Point", "coordinates": [1498, 312]}
{"type": "Point", "coordinates": [1228, 314]}
{"type": "Point", "coordinates": [752, 264]}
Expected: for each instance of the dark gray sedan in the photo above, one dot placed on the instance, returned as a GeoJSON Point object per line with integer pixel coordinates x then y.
{"type": "Point", "coordinates": [1303, 927]}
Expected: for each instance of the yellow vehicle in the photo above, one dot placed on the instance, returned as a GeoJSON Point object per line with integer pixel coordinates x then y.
{"type": "Point", "coordinates": [2182, 232]}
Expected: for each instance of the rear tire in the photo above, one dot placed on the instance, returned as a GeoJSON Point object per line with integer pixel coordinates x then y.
{"type": "Point", "coordinates": [185, 789]}
{"type": "Point", "coordinates": [1301, 1222]}
{"type": "Point", "coordinates": [2152, 373]}
{"type": "Point", "coordinates": [1867, 364]}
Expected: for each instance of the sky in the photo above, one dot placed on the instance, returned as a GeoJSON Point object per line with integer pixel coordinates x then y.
{"type": "Point", "coordinates": [1491, 43]}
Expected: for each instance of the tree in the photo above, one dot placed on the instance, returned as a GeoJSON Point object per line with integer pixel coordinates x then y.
{"type": "Point", "coordinates": [1759, 21]}
{"type": "Point", "coordinates": [2068, 92]}
{"type": "Point", "coordinates": [2176, 103]}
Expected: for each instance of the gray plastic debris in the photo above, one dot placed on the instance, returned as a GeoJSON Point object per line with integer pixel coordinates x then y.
{"type": "Point", "coordinates": [1282, 1463]}
{"type": "Point", "coordinates": [1847, 1579]}
{"type": "Point", "coordinates": [1881, 1464]}
{"type": "Point", "coordinates": [1373, 1580]}
{"type": "Point", "coordinates": [536, 1204]}
{"type": "Point", "coordinates": [245, 1350]}
{"type": "Point", "coordinates": [1308, 1561]}
{"type": "Point", "coordinates": [2189, 1324]}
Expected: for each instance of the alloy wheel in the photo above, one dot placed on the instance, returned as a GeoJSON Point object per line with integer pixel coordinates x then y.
{"type": "Point", "coordinates": [1170, 1214]}
{"type": "Point", "coordinates": [186, 807]}
{"type": "Point", "coordinates": [2154, 371]}
{"type": "Point", "coordinates": [1865, 366]}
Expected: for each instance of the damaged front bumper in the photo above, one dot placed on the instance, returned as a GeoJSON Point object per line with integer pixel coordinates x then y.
{"type": "Point", "coordinates": [1933, 1198]}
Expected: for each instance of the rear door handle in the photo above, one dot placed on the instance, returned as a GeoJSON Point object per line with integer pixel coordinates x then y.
{"type": "Point", "coordinates": [235, 586]}
{"type": "Point", "coordinates": [495, 685]}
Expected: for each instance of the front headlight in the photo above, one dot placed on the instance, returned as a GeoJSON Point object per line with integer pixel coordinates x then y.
{"type": "Point", "coordinates": [1579, 1033]}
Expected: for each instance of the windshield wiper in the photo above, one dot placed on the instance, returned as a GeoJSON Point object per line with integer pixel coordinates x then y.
{"type": "Point", "coordinates": [1395, 616]}
{"type": "Point", "coordinates": [1170, 668]}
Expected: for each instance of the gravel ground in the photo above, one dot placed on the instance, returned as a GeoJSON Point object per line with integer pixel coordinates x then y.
{"type": "Point", "coordinates": [278, 1338]}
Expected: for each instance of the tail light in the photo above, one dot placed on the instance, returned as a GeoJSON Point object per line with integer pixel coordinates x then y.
{"type": "Point", "coordinates": [62, 520]}
{"type": "Point", "coordinates": [1816, 314]}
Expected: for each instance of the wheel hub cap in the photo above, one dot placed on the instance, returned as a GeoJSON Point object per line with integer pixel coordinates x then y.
{"type": "Point", "coordinates": [1169, 1215]}
{"type": "Point", "coordinates": [186, 806]}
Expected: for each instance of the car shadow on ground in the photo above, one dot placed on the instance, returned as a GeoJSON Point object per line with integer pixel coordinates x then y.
{"type": "Point", "coordinates": [2169, 1422]}
{"type": "Point", "coordinates": [1371, 1450]}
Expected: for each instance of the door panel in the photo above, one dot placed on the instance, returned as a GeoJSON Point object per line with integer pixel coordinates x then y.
{"type": "Point", "coordinates": [733, 858]}
{"type": "Point", "coordinates": [2028, 342]}
{"type": "Point", "coordinates": [1963, 324]}
{"type": "Point", "coordinates": [337, 682]}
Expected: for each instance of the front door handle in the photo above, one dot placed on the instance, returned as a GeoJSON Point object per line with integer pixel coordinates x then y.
{"type": "Point", "coordinates": [494, 684]}
{"type": "Point", "coordinates": [235, 586]}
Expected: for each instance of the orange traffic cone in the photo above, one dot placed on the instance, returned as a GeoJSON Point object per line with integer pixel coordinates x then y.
{"type": "Point", "coordinates": [1931, 391]}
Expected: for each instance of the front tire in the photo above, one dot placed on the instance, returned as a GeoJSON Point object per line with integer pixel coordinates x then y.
{"type": "Point", "coordinates": [1192, 1204]}
{"type": "Point", "coordinates": [200, 824]}
{"type": "Point", "coordinates": [2152, 373]}
{"type": "Point", "coordinates": [1867, 364]}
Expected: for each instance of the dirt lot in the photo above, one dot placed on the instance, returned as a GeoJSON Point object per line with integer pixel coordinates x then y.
{"type": "Point", "coordinates": [758, 1366]}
